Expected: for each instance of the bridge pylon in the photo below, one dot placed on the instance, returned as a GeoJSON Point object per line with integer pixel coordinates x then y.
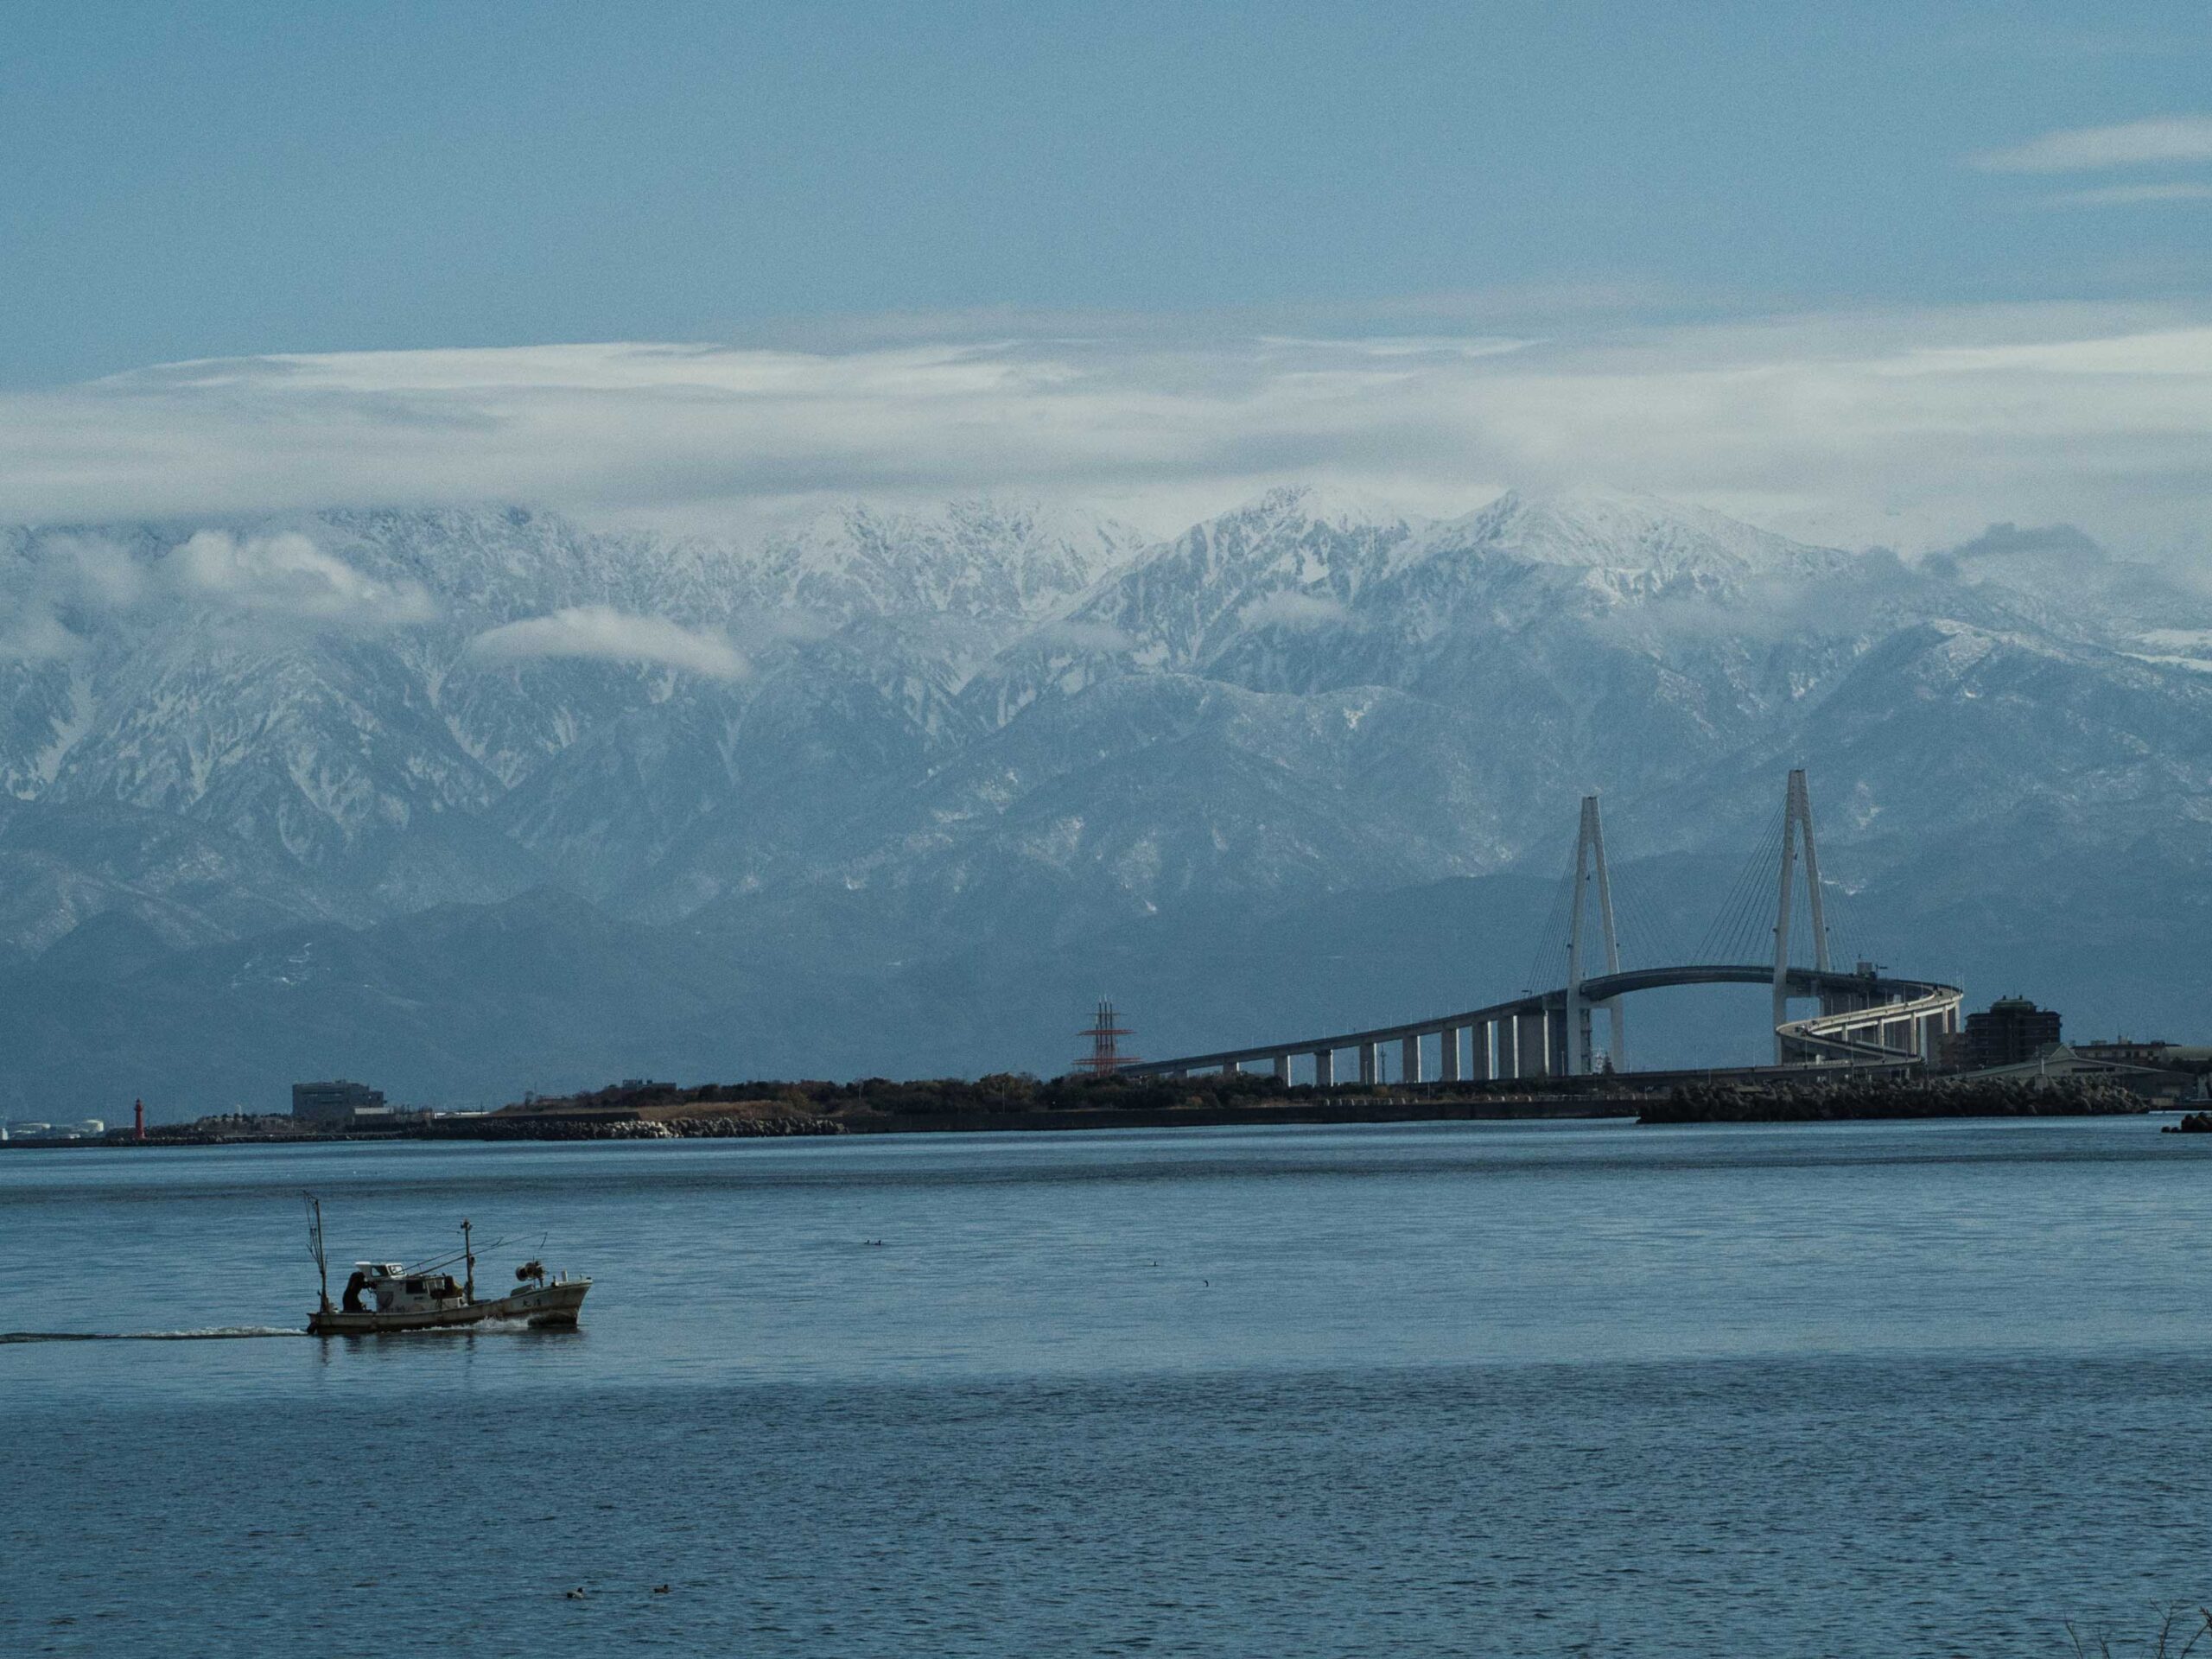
{"type": "Point", "coordinates": [1867, 1016]}
{"type": "Point", "coordinates": [1592, 880]}
{"type": "Point", "coordinates": [1797, 826]}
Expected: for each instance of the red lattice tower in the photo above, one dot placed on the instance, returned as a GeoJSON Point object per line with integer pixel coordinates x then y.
{"type": "Point", "coordinates": [1105, 1057]}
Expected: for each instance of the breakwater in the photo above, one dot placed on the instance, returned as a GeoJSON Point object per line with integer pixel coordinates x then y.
{"type": "Point", "coordinates": [555, 1127]}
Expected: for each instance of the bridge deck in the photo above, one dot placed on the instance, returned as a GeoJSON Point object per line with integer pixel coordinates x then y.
{"type": "Point", "coordinates": [1878, 989]}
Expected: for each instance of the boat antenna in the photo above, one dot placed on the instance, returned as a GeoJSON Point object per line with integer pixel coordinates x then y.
{"type": "Point", "coordinates": [433, 1263]}
{"type": "Point", "coordinates": [469, 1253]}
{"type": "Point", "coordinates": [315, 1246]}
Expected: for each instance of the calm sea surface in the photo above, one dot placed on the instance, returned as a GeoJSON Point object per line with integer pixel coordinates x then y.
{"type": "Point", "coordinates": [1915, 1389]}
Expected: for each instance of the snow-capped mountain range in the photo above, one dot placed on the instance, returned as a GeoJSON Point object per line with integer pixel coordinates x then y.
{"type": "Point", "coordinates": [868, 765]}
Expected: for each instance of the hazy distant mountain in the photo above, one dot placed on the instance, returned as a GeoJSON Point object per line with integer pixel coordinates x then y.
{"type": "Point", "coordinates": [914, 785]}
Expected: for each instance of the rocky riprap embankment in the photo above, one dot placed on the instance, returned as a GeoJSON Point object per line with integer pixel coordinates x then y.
{"type": "Point", "coordinates": [630, 1128]}
{"type": "Point", "coordinates": [714, 1129]}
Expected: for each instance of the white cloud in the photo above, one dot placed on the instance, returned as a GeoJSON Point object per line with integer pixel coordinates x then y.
{"type": "Point", "coordinates": [599, 633]}
{"type": "Point", "coordinates": [1290, 608]}
{"type": "Point", "coordinates": [65, 576]}
{"type": "Point", "coordinates": [275, 581]}
{"type": "Point", "coordinates": [31, 633]}
{"type": "Point", "coordinates": [69, 582]}
{"type": "Point", "coordinates": [286, 574]}
{"type": "Point", "coordinates": [95, 571]}
{"type": "Point", "coordinates": [2131, 195]}
{"type": "Point", "coordinates": [1087, 638]}
{"type": "Point", "coordinates": [1908, 429]}
{"type": "Point", "coordinates": [2091, 150]}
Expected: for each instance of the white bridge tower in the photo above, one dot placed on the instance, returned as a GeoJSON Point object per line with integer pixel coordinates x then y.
{"type": "Point", "coordinates": [1592, 881]}
{"type": "Point", "coordinates": [1796, 824]}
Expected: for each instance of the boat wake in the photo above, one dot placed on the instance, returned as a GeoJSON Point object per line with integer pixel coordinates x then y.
{"type": "Point", "coordinates": [211, 1333]}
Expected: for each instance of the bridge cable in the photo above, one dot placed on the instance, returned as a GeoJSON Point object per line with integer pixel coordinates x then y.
{"type": "Point", "coordinates": [1737, 931]}
{"type": "Point", "coordinates": [1548, 967]}
{"type": "Point", "coordinates": [1756, 940]}
{"type": "Point", "coordinates": [1849, 940]}
{"type": "Point", "coordinates": [1713, 945]}
{"type": "Point", "coordinates": [1752, 937]}
{"type": "Point", "coordinates": [1643, 931]}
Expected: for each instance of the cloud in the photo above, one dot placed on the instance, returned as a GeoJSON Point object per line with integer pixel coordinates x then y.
{"type": "Point", "coordinates": [31, 633]}
{"type": "Point", "coordinates": [2022, 36]}
{"type": "Point", "coordinates": [286, 574]}
{"type": "Point", "coordinates": [68, 584]}
{"type": "Point", "coordinates": [1081, 638]}
{"type": "Point", "coordinates": [2131, 195]}
{"type": "Point", "coordinates": [1290, 608]}
{"type": "Point", "coordinates": [2092, 149]}
{"type": "Point", "coordinates": [1910, 428]}
{"type": "Point", "coordinates": [61, 579]}
{"type": "Point", "coordinates": [596, 633]}
{"type": "Point", "coordinates": [2010, 541]}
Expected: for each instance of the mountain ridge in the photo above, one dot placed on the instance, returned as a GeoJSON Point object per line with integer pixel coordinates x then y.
{"type": "Point", "coordinates": [1000, 720]}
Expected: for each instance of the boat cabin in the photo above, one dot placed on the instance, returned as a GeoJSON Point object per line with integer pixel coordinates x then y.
{"type": "Point", "coordinates": [392, 1290]}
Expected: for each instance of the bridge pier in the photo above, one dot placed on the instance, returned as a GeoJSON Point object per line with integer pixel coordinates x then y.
{"type": "Point", "coordinates": [1409, 1065]}
{"type": "Point", "coordinates": [1324, 1068]}
{"type": "Point", "coordinates": [1531, 1046]}
{"type": "Point", "coordinates": [1447, 1054]}
{"type": "Point", "coordinates": [1282, 1069]}
{"type": "Point", "coordinates": [1371, 1064]}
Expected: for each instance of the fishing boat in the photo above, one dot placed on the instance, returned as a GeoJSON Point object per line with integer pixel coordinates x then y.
{"type": "Point", "coordinates": [384, 1296]}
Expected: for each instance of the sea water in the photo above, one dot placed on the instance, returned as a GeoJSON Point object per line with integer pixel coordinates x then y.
{"type": "Point", "coordinates": [1466, 1388]}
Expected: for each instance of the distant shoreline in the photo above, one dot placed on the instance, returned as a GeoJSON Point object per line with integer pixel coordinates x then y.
{"type": "Point", "coordinates": [578, 1126]}
{"type": "Point", "coordinates": [1366, 1110]}
{"type": "Point", "coordinates": [1016, 1102]}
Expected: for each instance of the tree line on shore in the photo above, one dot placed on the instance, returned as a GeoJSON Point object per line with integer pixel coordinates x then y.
{"type": "Point", "coordinates": [999, 1092]}
{"type": "Point", "coordinates": [1875, 1097]}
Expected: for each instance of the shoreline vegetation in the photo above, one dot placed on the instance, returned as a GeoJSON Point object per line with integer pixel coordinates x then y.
{"type": "Point", "coordinates": [1009, 1101]}
{"type": "Point", "coordinates": [1850, 1099]}
{"type": "Point", "coordinates": [1018, 1101]}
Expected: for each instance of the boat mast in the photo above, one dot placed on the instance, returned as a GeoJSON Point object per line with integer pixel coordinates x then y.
{"type": "Point", "coordinates": [469, 1256]}
{"type": "Point", "coordinates": [314, 1247]}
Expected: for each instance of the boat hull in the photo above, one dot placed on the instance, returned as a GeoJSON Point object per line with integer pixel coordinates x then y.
{"type": "Point", "coordinates": [544, 1305]}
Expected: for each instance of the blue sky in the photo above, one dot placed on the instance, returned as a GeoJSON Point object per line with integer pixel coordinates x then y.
{"type": "Point", "coordinates": [221, 180]}
{"type": "Point", "coordinates": [230, 181]}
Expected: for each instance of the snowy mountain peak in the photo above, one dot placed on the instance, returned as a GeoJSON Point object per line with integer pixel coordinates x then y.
{"type": "Point", "coordinates": [1337, 507]}
{"type": "Point", "coordinates": [1607, 529]}
{"type": "Point", "coordinates": [982, 557]}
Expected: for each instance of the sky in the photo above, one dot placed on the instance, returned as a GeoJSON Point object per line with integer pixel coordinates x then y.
{"type": "Point", "coordinates": [1876, 272]}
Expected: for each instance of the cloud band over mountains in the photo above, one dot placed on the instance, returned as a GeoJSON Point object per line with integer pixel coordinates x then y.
{"type": "Point", "coordinates": [595, 632]}
{"type": "Point", "coordinates": [1911, 428]}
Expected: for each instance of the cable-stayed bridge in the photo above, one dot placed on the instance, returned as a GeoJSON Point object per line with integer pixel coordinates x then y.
{"type": "Point", "coordinates": [1866, 1017]}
